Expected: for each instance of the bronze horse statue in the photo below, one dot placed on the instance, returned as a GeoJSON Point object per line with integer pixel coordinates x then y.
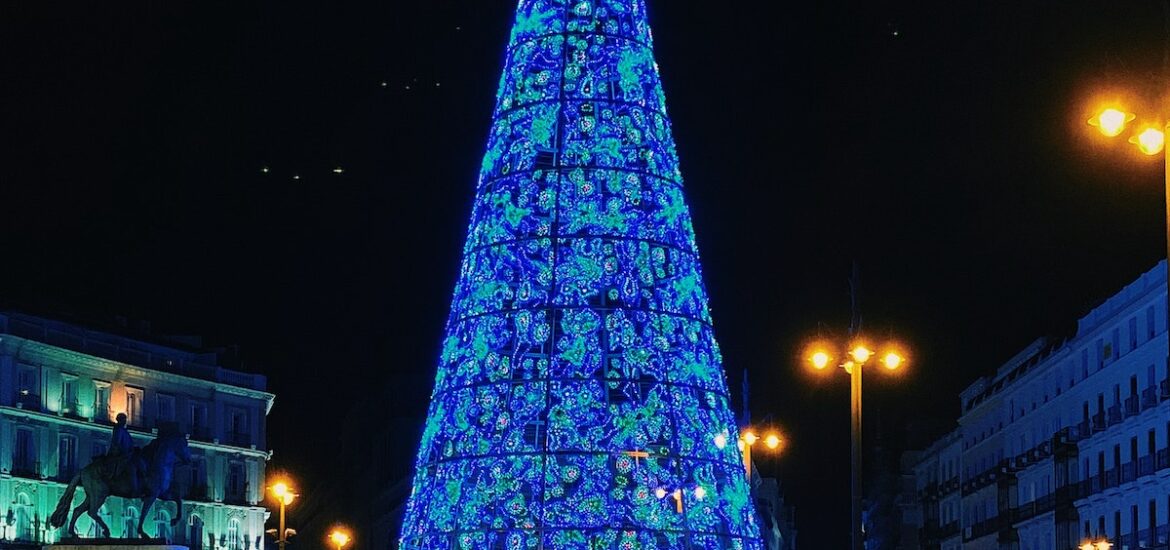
{"type": "Point", "coordinates": [156, 465]}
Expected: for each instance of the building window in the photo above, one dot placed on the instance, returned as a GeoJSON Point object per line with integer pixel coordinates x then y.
{"type": "Point", "coordinates": [195, 532]}
{"type": "Point", "coordinates": [66, 457]}
{"type": "Point", "coordinates": [68, 398]}
{"type": "Point", "coordinates": [28, 390]}
{"type": "Point", "coordinates": [1133, 333]}
{"type": "Point", "coordinates": [134, 397]}
{"type": "Point", "coordinates": [199, 421]}
{"type": "Point", "coordinates": [129, 522]}
{"type": "Point", "coordinates": [24, 453]}
{"type": "Point", "coordinates": [237, 428]}
{"type": "Point", "coordinates": [1150, 327]}
{"type": "Point", "coordinates": [24, 513]}
{"type": "Point", "coordinates": [162, 523]}
{"type": "Point", "coordinates": [101, 401]}
{"type": "Point", "coordinates": [233, 535]}
{"type": "Point", "coordinates": [235, 481]}
{"type": "Point", "coordinates": [166, 409]}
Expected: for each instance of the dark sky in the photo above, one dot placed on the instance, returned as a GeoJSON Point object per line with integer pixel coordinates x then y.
{"type": "Point", "coordinates": [950, 159]}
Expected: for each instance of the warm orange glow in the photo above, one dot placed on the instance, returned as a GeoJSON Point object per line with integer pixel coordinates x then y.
{"type": "Point", "coordinates": [339, 537]}
{"type": "Point", "coordinates": [892, 360]}
{"type": "Point", "coordinates": [820, 360]}
{"type": "Point", "coordinates": [750, 437]}
{"type": "Point", "coordinates": [861, 354]}
{"type": "Point", "coordinates": [848, 366]}
{"type": "Point", "coordinates": [1150, 141]}
{"type": "Point", "coordinates": [1104, 545]}
{"type": "Point", "coordinates": [1111, 122]}
{"type": "Point", "coordinates": [1088, 546]}
{"type": "Point", "coordinates": [283, 493]}
{"type": "Point", "coordinates": [772, 441]}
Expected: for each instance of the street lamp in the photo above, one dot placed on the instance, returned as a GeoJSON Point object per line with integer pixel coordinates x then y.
{"type": "Point", "coordinates": [851, 358]}
{"type": "Point", "coordinates": [772, 440]}
{"type": "Point", "coordinates": [340, 537]}
{"type": "Point", "coordinates": [1101, 544]}
{"type": "Point", "coordinates": [1150, 140]}
{"type": "Point", "coordinates": [285, 496]}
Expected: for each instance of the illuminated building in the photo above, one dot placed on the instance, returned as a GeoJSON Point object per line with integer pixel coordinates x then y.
{"type": "Point", "coordinates": [580, 389]}
{"type": "Point", "coordinates": [1069, 440]}
{"type": "Point", "coordinates": [61, 386]}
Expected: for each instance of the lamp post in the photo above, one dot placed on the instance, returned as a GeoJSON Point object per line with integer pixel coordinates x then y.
{"type": "Point", "coordinates": [339, 537]}
{"type": "Point", "coordinates": [1150, 140]}
{"type": "Point", "coordinates": [1101, 544]}
{"type": "Point", "coordinates": [773, 441]}
{"type": "Point", "coordinates": [820, 355]}
{"type": "Point", "coordinates": [285, 496]}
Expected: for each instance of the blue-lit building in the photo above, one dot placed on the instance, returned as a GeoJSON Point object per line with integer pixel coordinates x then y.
{"type": "Point", "coordinates": [62, 384]}
{"type": "Point", "coordinates": [580, 400]}
{"type": "Point", "coordinates": [1068, 440]}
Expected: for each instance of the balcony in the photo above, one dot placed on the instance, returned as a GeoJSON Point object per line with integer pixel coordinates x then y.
{"type": "Point", "coordinates": [1149, 398]}
{"type": "Point", "coordinates": [201, 433]}
{"type": "Point", "coordinates": [1146, 465]}
{"type": "Point", "coordinates": [1115, 416]}
{"type": "Point", "coordinates": [1131, 406]}
{"type": "Point", "coordinates": [1099, 422]}
{"type": "Point", "coordinates": [1128, 472]}
{"type": "Point", "coordinates": [26, 468]}
{"type": "Point", "coordinates": [27, 401]}
{"type": "Point", "coordinates": [239, 439]}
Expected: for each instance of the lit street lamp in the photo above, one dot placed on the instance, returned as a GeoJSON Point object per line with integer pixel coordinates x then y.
{"type": "Point", "coordinates": [857, 354]}
{"type": "Point", "coordinates": [773, 441]}
{"type": "Point", "coordinates": [1150, 140]}
{"type": "Point", "coordinates": [285, 496]}
{"type": "Point", "coordinates": [1096, 545]}
{"type": "Point", "coordinates": [339, 537]}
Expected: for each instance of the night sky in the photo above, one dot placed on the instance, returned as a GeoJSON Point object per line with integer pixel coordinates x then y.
{"type": "Point", "coordinates": [942, 145]}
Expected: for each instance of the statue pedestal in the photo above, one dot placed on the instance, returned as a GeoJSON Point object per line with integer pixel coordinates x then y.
{"type": "Point", "coordinates": [113, 544]}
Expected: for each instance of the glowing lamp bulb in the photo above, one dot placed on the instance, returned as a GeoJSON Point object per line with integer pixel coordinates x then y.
{"type": "Point", "coordinates": [1110, 121]}
{"type": "Point", "coordinates": [750, 438]}
{"type": "Point", "coordinates": [700, 492]}
{"type": "Point", "coordinates": [892, 360]}
{"type": "Point", "coordinates": [720, 441]}
{"type": "Point", "coordinates": [772, 441]}
{"type": "Point", "coordinates": [861, 354]}
{"type": "Point", "coordinates": [1088, 546]}
{"type": "Point", "coordinates": [1150, 141]}
{"type": "Point", "coordinates": [820, 360]}
{"type": "Point", "coordinates": [340, 538]}
{"type": "Point", "coordinates": [280, 490]}
{"type": "Point", "coordinates": [660, 493]}
{"type": "Point", "coordinates": [1104, 545]}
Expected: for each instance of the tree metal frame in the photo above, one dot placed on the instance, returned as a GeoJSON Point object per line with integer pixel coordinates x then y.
{"type": "Point", "coordinates": [580, 391]}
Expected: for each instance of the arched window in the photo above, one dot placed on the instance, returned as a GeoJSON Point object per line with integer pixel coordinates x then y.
{"type": "Point", "coordinates": [233, 535]}
{"type": "Point", "coordinates": [24, 528]}
{"type": "Point", "coordinates": [195, 532]}
{"type": "Point", "coordinates": [130, 522]}
{"type": "Point", "coordinates": [162, 523]}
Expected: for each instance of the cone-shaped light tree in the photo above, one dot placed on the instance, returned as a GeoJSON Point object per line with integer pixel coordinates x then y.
{"type": "Point", "coordinates": [580, 400]}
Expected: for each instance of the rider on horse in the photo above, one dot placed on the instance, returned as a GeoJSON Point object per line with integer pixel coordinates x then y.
{"type": "Point", "coordinates": [123, 456]}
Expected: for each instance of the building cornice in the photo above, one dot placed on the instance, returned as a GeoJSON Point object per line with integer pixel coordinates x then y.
{"type": "Point", "coordinates": [41, 353]}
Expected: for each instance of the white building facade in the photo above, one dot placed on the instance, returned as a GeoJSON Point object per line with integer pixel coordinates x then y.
{"type": "Point", "coordinates": [1067, 441]}
{"type": "Point", "coordinates": [61, 385]}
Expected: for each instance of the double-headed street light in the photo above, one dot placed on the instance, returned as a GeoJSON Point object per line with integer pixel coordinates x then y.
{"type": "Point", "coordinates": [852, 356]}
{"type": "Point", "coordinates": [772, 440]}
{"type": "Point", "coordinates": [339, 537]}
{"type": "Point", "coordinates": [1150, 139]}
{"type": "Point", "coordinates": [1101, 544]}
{"type": "Point", "coordinates": [285, 496]}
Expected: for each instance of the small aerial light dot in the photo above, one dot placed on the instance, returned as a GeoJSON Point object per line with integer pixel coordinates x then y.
{"type": "Point", "coordinates": [820, 360]}
{"type": "Point", "coordinates": [384, 83]}
{"type": "Point", "coordinates": [338, 170]}
{"type": "Point", "coordinates": [750, 437]}
{"type": "Point", "coordinates": [660, 492]}
{"type": "Point", "coordinates": [861, 354]}
{"type": "Point", "coordinates": [700, 493]}
{"type": "Point", "coordinates": [1111, 121]}
{"type": "Point", "coordinates": [436, 84]}
{"type": "Point", "coordinates": [772, 441]}
{"type": "Point", "coordinates": [1150, 141]}
{"type": "Point", "coordinates": [892, 360]}
{"type": "Point", "coordinates": [720, 441]}
{"type": "Point", "coordinates": [296, 176]}
{"type": "Point", "coordinates": [263, 169]}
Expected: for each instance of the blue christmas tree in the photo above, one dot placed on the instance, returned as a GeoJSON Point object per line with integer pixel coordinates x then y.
{"type": "Point", "coordinates": [580, 400]}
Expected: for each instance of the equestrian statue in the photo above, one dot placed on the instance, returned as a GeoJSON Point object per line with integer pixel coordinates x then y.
{"type": "Point", "coordinates": [128, 472]}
